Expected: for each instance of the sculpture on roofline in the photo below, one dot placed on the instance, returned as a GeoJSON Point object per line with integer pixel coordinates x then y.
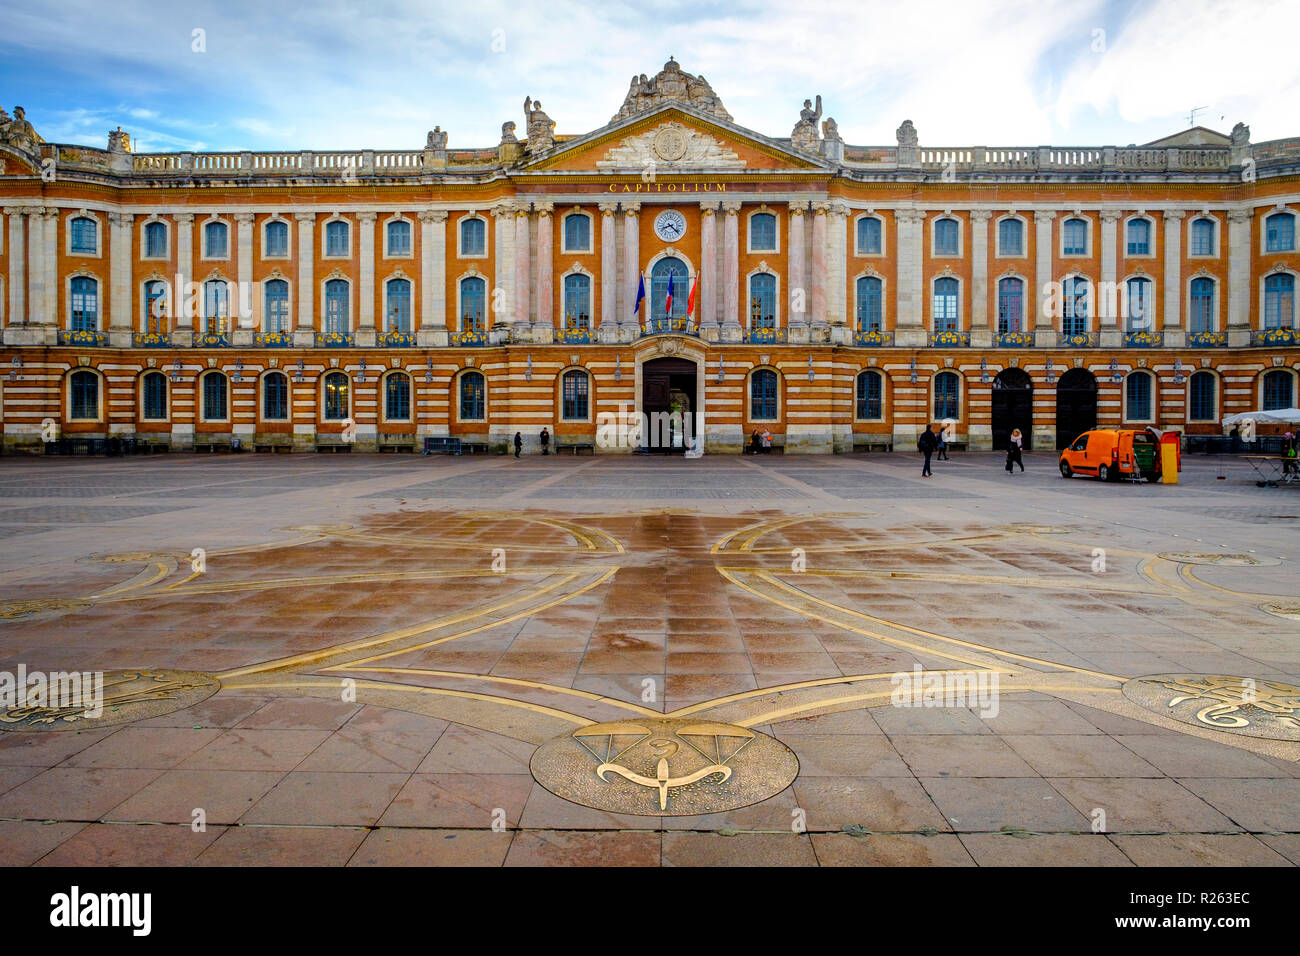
{"type": "Point", "coordinates": [671, 85]}
{"type": "Point", "coordinates": [437, 139]}
{"type": "Point", "coordinates": [907, 135]}
{"type": "Point", "coordinates": [541, 128]}
{"type": "Point", "coordinates": [1240, 135]}
{"type": "Point", "coordinates": [805, 135]}
{"type": "Point", "coordinates": [508, 132]}
{"type": "Point", "coordinates": [17, 132]}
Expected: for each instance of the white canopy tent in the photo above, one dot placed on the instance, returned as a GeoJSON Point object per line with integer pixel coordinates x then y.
{"type": "Point", "coordinates": [1278, 416]}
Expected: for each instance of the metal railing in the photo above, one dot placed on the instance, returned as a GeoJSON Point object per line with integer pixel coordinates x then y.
{"type": "Point", "coordinates": [873, 337]}
{"type": "Point", "coordinates": [1086, 340]}
{"type": "Point", "coordinates": [950, 337]}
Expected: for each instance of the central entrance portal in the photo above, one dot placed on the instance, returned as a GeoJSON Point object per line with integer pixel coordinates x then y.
{"type": "Point", "coordinates": [1013, 407]}
{"type": "Point", "coordinates": [668, 385]}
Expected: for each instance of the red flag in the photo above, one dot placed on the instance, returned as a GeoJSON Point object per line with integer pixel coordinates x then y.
{"type": "Point", "coordinates": [690, 302]}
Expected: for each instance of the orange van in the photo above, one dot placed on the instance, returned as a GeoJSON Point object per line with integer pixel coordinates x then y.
{"type": "Point", "coordinates": [1112, 453]}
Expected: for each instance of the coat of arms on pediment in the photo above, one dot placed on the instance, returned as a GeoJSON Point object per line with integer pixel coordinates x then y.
{"type": "Point", "coordinates": [671, 144]}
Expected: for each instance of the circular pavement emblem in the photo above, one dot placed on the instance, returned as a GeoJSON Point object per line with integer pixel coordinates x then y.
{"type": "Point", "coordinates": [41, 608]}
{"type": "Point", "coordinates": [664, 766]}
{"type": "Point", "coordinates": [1222, 560]}
{"type": "Point", "coordinates": [1243, 705]}
{"type": "Point", "coordinates": [86, 700]}
{"type": "Point", "coordinates": [1289, 611]}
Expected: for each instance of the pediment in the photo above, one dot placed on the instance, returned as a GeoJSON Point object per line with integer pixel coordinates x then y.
{"type": "Point", "coordinates": [671, 139]}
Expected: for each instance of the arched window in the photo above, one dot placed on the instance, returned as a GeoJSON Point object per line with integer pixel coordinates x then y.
{"type": "Point", "coordinates": [216, 305]}
{"type": "Point", "coordinates": [277, 306]}
{"type": "Point", "coordinates": [399, 305]}
{"type": "Point", "coordinates": [84, 396]}
{"type": "Point", "coordinates": [473, 237]}
{"type": "Point", "coordinates": [1202, 237]}
{"type": "Point", "coordinates": [762, 232]}
{"type": "Point", "coordinates": [1141, 314]}
{"type": "Point", "coordinates": [577, 232]}
{"type": "Point", "coordinates": [762, 395]}
{"type": "Point", "coordinates": [1011, 306]}
{"type": "Point", "coordinates": [1203, 403]}
{"type": "Point", "coordinates": [155, 306]}
{"type": "Point", "coordinates": [666, 272]}
{"type": "Point", "coordinates": [397, 397]}
{"type": "Point", "coordinates": [944, 308]}
{"type": "Point", "coordinates": [1139, 237]}
{"type": "Point", "coordinates": [214, 397]}
{"type": "Point", "coordinates": [85, 238]}
{"type": "Point", "coordinates": [336, 238]}
{"type": "Point", "coordinates": [1074, 318]}
{"type": "Point", "coordinates": [85, 305]}
{"type": "Point", "coordinates": [473, 390]}
{"type": "Point", "coordinates": [1074, 237]}
{"type": "Point", "coordinates": [575, 389]}
{"type": "Point", "coordinates": [1279, 232]}
{"type": "Point", "coordinates": [216, 240]}
{"type": "Point", "coordinates": [870, 303]}
{"type": "Point", "coordinates": [399, 238]}
{"type": "Point", "coordinates": [338, 317]}
{"type": "Point", "coordinates": [762, 301]}
{"type": "Point", "coordinates": [1279, 389]}
{"type": "Point", "coordinates": [154, 387]}
{"type": "Point", "coordinates": [473, 304]}
{"type": "Point", "coordinates": [277, 239]}
{"type": "Point", "coordinates": [1279, 301]}
{"type": "Point", "coordinates": [275, 396]}
{"type": "Point", "coordinates": [869, 236]}
{"type": "Point", "coordinates": [577, 301]}
{"type": "Point", "coordinates": [336, 396]}
{"type": "Point", "coordinates": [1202, 318]}
{"type": "Point", "coordinates": [947, 396]}
{"type": "Point", "coordinates": [1137, 397]}
{"type": "Point", "coordinates": [1011, 237]}
{"type": "Point", "coordinates": [947, 239]}
{"type": "Point", "coordinates": [870, 393]}
{"type": "Point", "coordinates": [155, 240]}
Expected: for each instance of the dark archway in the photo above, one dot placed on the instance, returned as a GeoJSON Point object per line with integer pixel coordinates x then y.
{"type": "Point", "coordinates": [1076, 406]}
{"type": "Point", "coordinates": [1013, 407]}
{"type": "Point", "coordinates": [662, 381]}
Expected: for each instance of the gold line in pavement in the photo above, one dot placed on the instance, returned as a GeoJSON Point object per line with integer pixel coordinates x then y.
{"type": "Point", "coordinates": [1082, 584]}
{"type": "Point", "coordinates": [135, 583]}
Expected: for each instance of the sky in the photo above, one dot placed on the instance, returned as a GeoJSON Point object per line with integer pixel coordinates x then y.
{"type": "Point", "coordinates": [268, 75]}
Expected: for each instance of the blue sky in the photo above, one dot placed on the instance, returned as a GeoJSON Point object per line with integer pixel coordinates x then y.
{"type": "Point", "coordinates": [332, 74]}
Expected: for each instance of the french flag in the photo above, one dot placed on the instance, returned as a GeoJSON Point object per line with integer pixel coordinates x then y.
{"type": "Point", "coordinates": [668, 303]}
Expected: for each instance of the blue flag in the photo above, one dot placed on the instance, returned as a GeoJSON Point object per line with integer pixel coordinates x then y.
{"type": "Point", "coordinates": [640, 294]}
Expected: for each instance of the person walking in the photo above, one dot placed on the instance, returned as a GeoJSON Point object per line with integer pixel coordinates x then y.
{"type": "Point", "coordinates": [767, 442]}
{"type": "Point", "coordinates": [1234, 440]}
{"type": "Point", "coordinates": [941, 446]}
{"type": "Point", "coordinates": [926, 445]}
{"type": "Point", "coordinates": [546, 441]}
{"type": "Point", "coordinates": [1014, 447]}
{"type": "Point", "coordinates": [755, 442]}
{"type": "Point", "coordinates": [519, 443]}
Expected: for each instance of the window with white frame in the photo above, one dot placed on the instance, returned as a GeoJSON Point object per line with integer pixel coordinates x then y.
{"type": "Point", "coordinates": [84, 305]}
{"type": "Point", "coordinates": [84, 236]}
{"type": "Point", "coordinates": [1279, 232]}
{"type": "Point", "coordinates": [399, 305]}
{"type": "Point", "coordinates": [1141, 314]}
{"type": "Point", "coordinates": [336, 238]}
{"type": "Point", "coordinates": [944, 305]}
{"type": "Point", "coordinates": [1011, 305]}
{"type": "Point", "coordinates": [762, 232]}
{"type": "Point", "coordinates": [947, 237]}
{"type": "Point", "coordinates": [1138, 397]}
{"type": "Point", "coordinates": [1011, 237]}
{"type": "Point", "coordinates": [155, 240]}
{"type": "Point", "coordinates": [577, 232]}
{"type": "Point", "coordinates": [216, 240]}
{"type": "Point", "coordinates": [870, 303]}
{"type": "Point", "coordinates": [1202, 305]}
{"type": "Point", "coordinates": [1074, 237]}
{"type": "Point", "coordinates": [275, 240]}
{"type": "Point", "coordinates": [1138, 240]}
{"type": "Point", "coordinates": [398, 238]}
{"type": "Point", "coordinates": [1203, 231]}
{"type": "Point", "coordinates": [870, 236]}
{"type": "Point", "coordinates": [473, 237]}
{"type": "Point", "coordinates": [1279, 301]}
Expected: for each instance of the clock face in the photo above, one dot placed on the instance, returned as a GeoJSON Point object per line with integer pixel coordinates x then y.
{"type": "Point", "coordinates": [670, 225]}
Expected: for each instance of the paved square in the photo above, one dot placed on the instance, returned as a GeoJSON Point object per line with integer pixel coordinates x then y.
{"type": "Point", "coordinates": [377, 660]}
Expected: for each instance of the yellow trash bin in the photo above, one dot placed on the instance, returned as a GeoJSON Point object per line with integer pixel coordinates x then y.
{"type": "Point", "coordinates": [1168, 463]}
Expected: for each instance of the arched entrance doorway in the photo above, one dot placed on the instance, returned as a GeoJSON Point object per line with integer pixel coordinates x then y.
{"type": "Point", "coordinates": [1076, 405]}
{"type": "Point", "coordinates": [1013, 407]}
{"type": "Point", "coordinates": [668, 385]}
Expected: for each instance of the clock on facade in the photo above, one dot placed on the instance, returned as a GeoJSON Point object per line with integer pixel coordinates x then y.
{"type": "Point", "coordinates": [670, 225]}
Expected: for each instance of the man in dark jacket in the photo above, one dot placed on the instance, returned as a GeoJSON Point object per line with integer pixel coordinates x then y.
{"type": "Point", "coordinates": [927, 444]}
{"type": "Point", "coordinates": [519, 443]}
{"type": "Point", "coordinates": [546, 442]}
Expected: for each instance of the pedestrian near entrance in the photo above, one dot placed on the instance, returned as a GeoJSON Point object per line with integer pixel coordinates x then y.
{"type": "Point", "coordinates": [1014, 446]}
{"type": "Point", "coordinates": [755, 442]}
{"type": "Point", "coordinates": [546, 442]}
{"type": "Point", "coordinates": [926, 445]}
{"type": "Point", "coordinates": [519, 443]}
{"type": "Point", "coordinates": [941, 446]}
{"type": "Point", "coordinates": [767, 442]}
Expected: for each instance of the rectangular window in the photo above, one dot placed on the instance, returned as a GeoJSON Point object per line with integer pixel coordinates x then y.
{"type": "Point", "coordinates": [869, 242]}
{"type": "Point", "coordinates": [1139, 238]}
{"type": "Point", "coordinates": [215, 245]}
{"type": "Point", "coordinates": [83, 236]}
{"type": "Point", "coordinates": [1010, 234]}
{"type": "Point", "coordinates": [1076, 237]}
{"type": "Point", "coordinates": [155, 240]}
{"type": "Point", "coordinates": [277, 239]}
{"type": "Point", "coordinates": [1280, 233]}
{"type": "Point", "coordinates": [399, 238]}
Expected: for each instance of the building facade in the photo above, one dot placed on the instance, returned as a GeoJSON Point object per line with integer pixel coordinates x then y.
{"type": "Point", "coordinates": [837, 296]}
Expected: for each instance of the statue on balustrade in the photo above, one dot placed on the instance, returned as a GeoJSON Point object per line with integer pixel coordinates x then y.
{"type": "Point", "coordinates": [541, 128]}
{"type": "Point", "coordinates": [907, 135]}
{"type": "Point", "coordinates": [805, 135]}
{"type": "Point", "coordinates": [17, 132]}
{"type": "Point", "coordinates": [437, 139]}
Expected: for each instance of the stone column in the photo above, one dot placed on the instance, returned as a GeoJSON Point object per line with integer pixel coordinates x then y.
{"type": "Point", "coordinates": [1112, 334]}
{"type": "Point", "coordinates": [909, 326]}
{"type": "Point", "coordinates": [545, 312]}
{"type": "Point", "coordinates": [796, 249]}
{"type": "Point", "coordinates": [17, 276]}
{"type": "Point", "coordinates": [836, 267]}
{"type": "Point", "coordinates": [1173, 271]}
{"type": "Point", "coordinates": [706, 299]}
{"type": "Point", "coordinates": [50, 261]}
{"type": "Point", "coordinates": [608, 265]}
{"type": "Point", "coordinates": [431, 329]}
{"type": "Point", "coordinates": [246, 325]}
{"type": "Point", "coordinates": [819, 277]}
{"type": "Point", "coordinates": [522, 262]}
{"type": "Point", "coordinates": [119, 308]}
{"type": "Point", "coordinates": [183, 305]}
{"type": "Point", "coordinates": [1239, 246]}
{"type": "Point", "coordinates": [632, 262]}
{"type": "Point", "coordinates": [731, 321]}
{"type": "Point", "coordinates": [305, 332]}
{"type": "Point", "coordinates": [367, 331]}
{"type": "Point", "coordinates": [981, 333]}
{"type": "Point", "coordinates": [1044, 326]}
{"type": "Point", "coordinates": [503, 295]}
{"type": "Point", "coordinates": [36, 314]}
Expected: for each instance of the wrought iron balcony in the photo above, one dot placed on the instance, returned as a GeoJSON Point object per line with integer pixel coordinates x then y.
{"type": "Point", "coordinates": [1015, 339]}
{"type": "Point", "coordinates": [763, 336]}
{"type": "Point", "coordinates": [277, 340]}
{"type": "Point", "coordinates": [212, 340]}
{"type": "Point", "coordinates": [1208, 339]}
{"type": "Point", "coordinates": [335, 339]}
{"type": "Point", "coordinates": [1274, 337]}
{"type": "Point", "coordinates": [82, 337]}
{"type": "Point", "coordinates": [1144, 340]}
{"type": "Point", "coordinates": [950, 337]}
{"type": "Point", "coordinates": [575, 335]}
{"type": "Point", "coordinates": [679, 325]}
{"type": "Point", "coordinates": [151, 339]}
{"type": "Point", "coordinates": [1087, 340]}
{"type": "Point", "coordinates": [473, 338]}
{"type": "Point", "coordinates": [873, 337]}
{"type": "Point", "coordinates": [401, 340]}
